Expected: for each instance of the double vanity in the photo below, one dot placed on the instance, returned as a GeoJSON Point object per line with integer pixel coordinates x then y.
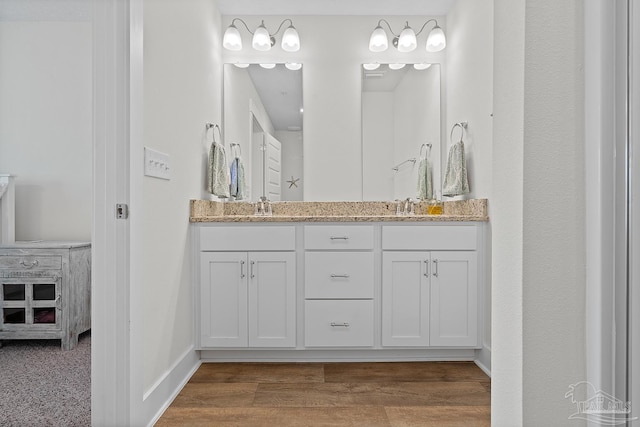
{"type": "Point", "coordinates": [339, 281]}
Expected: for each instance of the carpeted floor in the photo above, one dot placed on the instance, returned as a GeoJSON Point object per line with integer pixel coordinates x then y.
{"type": "Point", "coordinates": [41, 385]}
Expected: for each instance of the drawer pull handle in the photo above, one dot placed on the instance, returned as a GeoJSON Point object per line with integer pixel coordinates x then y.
{"type": "Point", "coordinates": [339, 238]}
{"type": "Point", "coordinates": [340, 324]}
{"type": "Point", "coordinates": [339, 276]}
{"type": "Point", "coordinates": [435, 268]}
{"type": "Point", "coordinates": [26, 264]}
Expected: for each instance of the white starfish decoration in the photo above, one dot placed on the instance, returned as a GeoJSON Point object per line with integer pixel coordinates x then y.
{"type": "Point", "coordinates": [293, 182]}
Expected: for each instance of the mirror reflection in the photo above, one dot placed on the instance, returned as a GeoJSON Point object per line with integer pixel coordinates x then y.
{"type": "Point", "coordinates": [263, 114]}
{"type": "Point", "coordinates": [401, 126]}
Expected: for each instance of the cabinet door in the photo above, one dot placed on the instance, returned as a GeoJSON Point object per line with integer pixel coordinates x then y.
{"type": "Point", "coordinates": [31, 304]}
{"type": "Point", "coordinates": [454, 299]}
{"type": "Point", "coordinates": [272, 299]}
{"type": "Point", "coordinates": [405, 299]}
{"type": "Point", "coordinates": [223, 304]}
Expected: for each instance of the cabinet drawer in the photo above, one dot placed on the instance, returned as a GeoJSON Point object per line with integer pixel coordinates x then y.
{"type": "Point", "coordinates": [430, 237]}
{"type": "Point", "coordinates": [248, 238]}
{"type": "Point", "coordinates": [31, 262]}
{"type": "Point", "coordinates": [338, 323]}
{"type": "Point", "coordinates": [338, 237]}
{"type": "Point", "coordinates": [338, 275]}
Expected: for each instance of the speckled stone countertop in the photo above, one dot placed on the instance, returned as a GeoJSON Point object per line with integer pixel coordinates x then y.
{"type": "Point", "coordinates": [210, 211]}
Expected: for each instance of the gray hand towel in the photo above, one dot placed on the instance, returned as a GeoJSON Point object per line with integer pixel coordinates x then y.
{"type": "Point", "coordinates": [425, 180]}
{"type": "Point", "coordinates": [218, 176]}
{"type": "Point", "coordinates": [455, 177]}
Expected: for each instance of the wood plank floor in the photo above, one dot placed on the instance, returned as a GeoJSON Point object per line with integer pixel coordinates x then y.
{"type": "Point", "coordinates": [442, 394]}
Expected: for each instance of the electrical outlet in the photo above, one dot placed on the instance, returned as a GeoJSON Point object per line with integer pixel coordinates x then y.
{"type": "Point", "coordinates": [156, 164]}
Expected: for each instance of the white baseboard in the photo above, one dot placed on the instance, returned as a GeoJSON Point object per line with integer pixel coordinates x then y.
{"type": "Point", "coordinates": [386, 355]}
{"type": "Point", "coordinates": [483, 359]}
{"type": "Point", "coordinates": [158, 398]}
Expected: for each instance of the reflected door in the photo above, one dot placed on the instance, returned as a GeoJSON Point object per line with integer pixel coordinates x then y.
{"type": "Point", "coordinates": [273, 168]}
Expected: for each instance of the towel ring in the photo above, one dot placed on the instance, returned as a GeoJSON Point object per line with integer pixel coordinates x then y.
{"type": "Point", "coordinates": [237, 150]}
{"type": "Point", "coordinates": [462, 126]}
{"type": "Point", "coordinates": [213, 133]}
{"type": "Point", "coordinates": [428, 147]}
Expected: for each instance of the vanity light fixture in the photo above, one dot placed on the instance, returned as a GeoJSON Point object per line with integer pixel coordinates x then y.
{"type": "Point", "coordinates": [293, 66]}
{"type": "Point", "coordinates": [241, 65]}
{"type": "Point", "coordinates": [268, 66]}
{"type": "Point", "coordinates": [407, 40]}
{"type": "Point", "coordinates": [262, 40]}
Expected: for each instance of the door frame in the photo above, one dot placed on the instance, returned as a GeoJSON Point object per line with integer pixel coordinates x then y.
{"type": "Point", "coordinates": [116, 352]}
{"type": "Point", "coordinates": [612, 113]}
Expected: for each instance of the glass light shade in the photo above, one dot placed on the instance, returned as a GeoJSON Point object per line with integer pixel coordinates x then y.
{"type": "Point", "coordinates": [407, 40]}
{"type": "Point", "coordinates": [370, 67]}
{"type": "Point", "coordinates": [241, 65]}
{"type": "Point", "coordinates": [268, 66]}
{"type": "Point", "coordinates": [290, 40]}
{"type": "Point", "coordinates": [421, 66]}
{"type": "Point", "coordinates": [261, 39]}
{"type": "Point", "coordinates": [436, 40]}
{"type": "Point", "coordinates": [293, 66]}
{"type": "Point", "coordinates": [396, 66]}
{"type": "Point", "coordinates": [378, 41]}
{"type": "Point", "coordinates": [232, 39]}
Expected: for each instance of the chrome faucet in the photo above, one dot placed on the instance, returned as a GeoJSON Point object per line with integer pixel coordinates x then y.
{"type": "Point", "coordinates": [405, 207]}
{"type": "Point", "coordinates": [263, 207]}
{"type": "Point", "coordinates": [408, 206]}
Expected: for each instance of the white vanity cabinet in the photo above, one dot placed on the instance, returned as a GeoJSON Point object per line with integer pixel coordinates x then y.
{"type": "Point", "coordinates": [430, 286]}
{"type": "Point", "coordinates": [329, 291]}
{"type": "Point", "coordinates": [247, 287]}
{"type": "Point", "coordinates": [339, 285]}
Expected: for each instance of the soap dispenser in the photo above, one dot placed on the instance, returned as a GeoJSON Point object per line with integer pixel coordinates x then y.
{"type": "Point", "coordinates": [435, 205]}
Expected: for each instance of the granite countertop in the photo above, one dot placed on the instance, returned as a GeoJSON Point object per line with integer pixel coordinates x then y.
{"type": "Point", "coordinates": [210, 211]}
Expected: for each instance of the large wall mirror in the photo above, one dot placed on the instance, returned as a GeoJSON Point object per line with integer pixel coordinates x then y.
{"type": "Point", "coordinates": [401, 113]}
{"type": "Point", "coordinates": [263, 111]}
{"type": "Point", "coordinates": [401, 124]}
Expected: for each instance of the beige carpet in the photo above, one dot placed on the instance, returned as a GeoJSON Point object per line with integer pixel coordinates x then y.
{"type": "Point", "coordinates": [41, 385]}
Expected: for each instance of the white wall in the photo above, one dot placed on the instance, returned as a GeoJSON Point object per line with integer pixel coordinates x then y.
{"type": "Point", "coordinates": [469, 93]}
{"type": "Point", "coordinates": [332, 92]}
{"type": "Point", "coordinates": [46, 125]}
{"type": "Point", "coordinates": [469, 88]}
{"type": "Point", "coordinates": [182, 82]}
{"type": "Point", "coordinates": [538, 254]}
{"type": "Point", "coordinates": [506, 214]}
{"type": "Point", "coordinates": [292, 158]}
{"type": "Point", "coordinates": [554, 241]}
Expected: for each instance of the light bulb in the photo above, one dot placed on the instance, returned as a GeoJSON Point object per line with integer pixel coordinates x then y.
{"type": "Point", "coordinates": [293, 66]}
{"type": "Point", "coordinates": [421, 66]}
{"type": "Point", "coordinates": [268, 66]}
{"type": "Point", "coordinates": [261, 39]}
{"type": "Point", "coordinates": [396, 66]}
{"type": "Point", "coordinates": [378, 41]}
{"type": "Point", "coordinates": [291, 40]}
{"type": "Point", "coordinates": [407, 40]}
{"type": "Point", "coordinates": [436, 40]}
{"type": "Point", "coordinates": [370, 67]}
{"type": "Point", "coordinates": [232, 39]}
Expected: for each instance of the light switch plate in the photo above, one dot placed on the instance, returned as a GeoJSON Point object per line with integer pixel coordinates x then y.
{"type": "Point", "coordinates": [156, 164]}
